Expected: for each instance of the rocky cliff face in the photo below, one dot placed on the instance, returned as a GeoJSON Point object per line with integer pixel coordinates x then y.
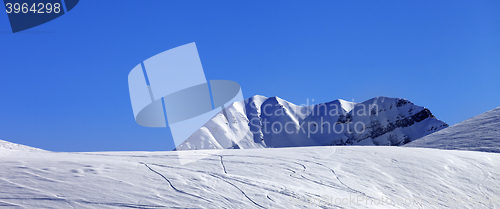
{"type": "Point", "coordinates": [261, 122]}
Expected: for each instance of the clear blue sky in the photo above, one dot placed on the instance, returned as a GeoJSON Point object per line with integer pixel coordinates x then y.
{"type": "Point", "coordinates": [63, 85]}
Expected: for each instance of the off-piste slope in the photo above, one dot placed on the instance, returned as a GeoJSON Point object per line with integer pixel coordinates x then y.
{"type": "Point", "coordinates": [261, 122]}
{"type": "Point", "coordinates": [305, 177]}
{"type": "Point", "coordinates": [479, 133]}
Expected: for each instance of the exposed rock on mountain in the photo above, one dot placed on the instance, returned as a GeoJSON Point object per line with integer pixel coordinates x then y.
{"type": "Point", "coordinates": [261, 122]}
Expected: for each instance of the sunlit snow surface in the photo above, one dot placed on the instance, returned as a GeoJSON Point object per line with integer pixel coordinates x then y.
{"type": "Point", "coordinates": [12, 146]}
{"type": "Point", "coordinates": [256, 178]}
{"type": "Point", "coordinates": [479, 133]}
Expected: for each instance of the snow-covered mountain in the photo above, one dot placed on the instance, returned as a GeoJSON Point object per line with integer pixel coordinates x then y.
{"type": "Point", "coordinates": [301, 177]}
{"type": "Point", "coordinates": [479, 133]}
{"type": "Point", "coordinates": [261, 122]}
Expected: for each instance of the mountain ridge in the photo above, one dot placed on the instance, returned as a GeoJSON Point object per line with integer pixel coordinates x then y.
{"type": "Point", "coordinates": [262, 122]}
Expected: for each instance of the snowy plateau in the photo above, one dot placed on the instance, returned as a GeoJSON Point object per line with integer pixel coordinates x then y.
{"type": "Point", "coordinates": [311, 176]}
{"type": "Point", "coordinates": [301, 177]}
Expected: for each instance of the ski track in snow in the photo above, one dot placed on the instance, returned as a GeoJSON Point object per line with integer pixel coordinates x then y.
{"type": "Point", "coordinates": [170, 183]}
{"type": "Point", "coordinates": [222, 163]}
{"type": "Point", "coordinates": [258, 178]}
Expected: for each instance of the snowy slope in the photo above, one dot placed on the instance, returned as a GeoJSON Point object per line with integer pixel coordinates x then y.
{"type": "Point", "coordinates": [12, 146]}
{"type": "Point", "coordinates": [261, 122]}
{"type": "Point", "coordinates": [480, 133]}
{"type": "Point", "coordinates": [305, 177]}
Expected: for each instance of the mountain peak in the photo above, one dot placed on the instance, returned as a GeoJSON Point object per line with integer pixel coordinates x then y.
{"type": "Point", "coordinates": [261, 122]}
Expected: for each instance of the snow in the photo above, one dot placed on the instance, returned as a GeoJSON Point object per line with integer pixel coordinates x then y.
{"type": "Point", "coordinates": [252, 178]}
{"type": "Point", "coordinates": [346, 105]}
{"type": "Point", "coordinates": [12, 146]}
{"type": "Point", "coordinates": [454, 176]}
{"type": "Point", "coordinates": [261, 122]}
{"type": "Point", "coordinates": [479, 133]}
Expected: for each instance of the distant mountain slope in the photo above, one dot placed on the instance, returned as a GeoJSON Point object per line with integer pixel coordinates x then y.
{"type": "Point", "coordinates": [261, 122]}
{"type": "Point", "coordinates": [479, 133]}
{"type": "Point", "coordinates": [12, 146]}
